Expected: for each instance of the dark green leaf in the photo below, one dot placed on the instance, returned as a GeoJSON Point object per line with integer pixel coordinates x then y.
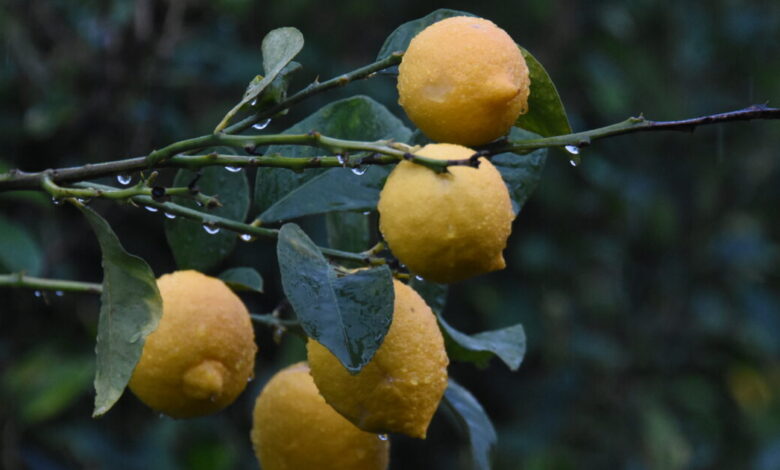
{"type": "Point", "coordinates": [473, 422]}
{"type": "Point", "coordinates": [508, 344]}
{"type": "Point", "coordinates": [243, 279]}
{"type": "Point", "coordinates": [279, 47]}
{"type": "Point", "coordinates": [130, 308]}
{"type": "Point", "coordinates": [521, 173]}
{"type": "Point", "coordinates": [400, 38]}
{"type": "Point", "coordinates": [192, 246]}
{"type": "Point", "coordinates": [358, 118]}
{"type": "Point", "coordinates": [435, 295]}
{"type": "Point", "coordinates": [348, 314]}
{"type": "Point", "coordinates": [348, 231]}
{"type": "Point", "coordinates": [337, 189]}
{"type": "Point", "coordinates": [546, 115]}
{"type": "Point", "coordinates": [18, 250]}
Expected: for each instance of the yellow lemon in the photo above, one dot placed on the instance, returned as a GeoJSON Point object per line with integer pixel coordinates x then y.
{"type": "Point", "coordinates": [463, 80]}
{"type": "Point", "coordinates": [295, 429]}
{"type": "Point", "coordinates": [402, 385]}
{"type": "Point", "coordinates": [450, 226]}
{"type": "Point", "coordinates": [202, 354]}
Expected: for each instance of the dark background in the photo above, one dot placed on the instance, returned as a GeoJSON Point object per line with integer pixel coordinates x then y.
{"type": "Point", "coordinates": [646, 278]}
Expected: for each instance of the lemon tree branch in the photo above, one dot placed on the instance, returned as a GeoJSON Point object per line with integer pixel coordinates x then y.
{"type": "Point", "coordinates": [21, 280]}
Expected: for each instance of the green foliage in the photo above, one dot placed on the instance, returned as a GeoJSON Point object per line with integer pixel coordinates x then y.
{"type": "Point", "coordinates": [508, 344]}
{"type": "Point", "coordinates": [243, 279]}
{"type": "Point", "coordinates": [472, 423]}
{"type": "Point", "coordinates": [521, 173]}
{"type": "Point", "coordinates": [546, 115]}
{"type": "Point", "coordinates": [18, 250]}
{"type": "Point", "coordinates": [192, 245]}
{"type": "Point", "coordinates": [348, 313]}
{"type": "Point", "coordinates": [130, 308]}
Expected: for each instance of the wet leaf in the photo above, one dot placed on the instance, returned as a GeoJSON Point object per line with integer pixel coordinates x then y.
{"type": "Point", "coordinates": [521, 172]}
{"type": "Point", "coordinates": [348, 231]}
{"type": "Point", "coordinates": [193, 247]}
{"type": "Point", "coordinates": [473, 423]}
{"type": "Point", "coordinates": [508, 344]}
{"type": "Point", "coordinates": [546, 115]}
{"type": "Point", "coordinates": [357, 118]}
{"type": "Point", "coordinates": [279, 47]}
{"type": "Point", "coordinates": [348, 314]}
{"type": "Point", "coordinates": [400, 38]}
{"type": "Point", "coordinates": [435, 295]}
{"type": "Point", "coordinates": [18, 250]}
{"type": "Point", "coordinates": [243, 279]}
{"type": "Point", "coordinates": [130, 308]}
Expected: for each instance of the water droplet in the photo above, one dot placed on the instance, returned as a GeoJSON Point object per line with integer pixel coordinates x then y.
{"type": "Point", "coordinates": [254, 102]}
{"type": "Point", "coordinates": [38, 294]}
{"type": "Point", "coordinates": [233, 169]}
{"type": "Point", "coordinates": [342, 159]}
{"type": "Point", "coordinates": [572, 149]}
{"type": "Point", "coordinates": [419, 278]}
{"type": "Point", "coordinates": [161, 416]}
{"type": "Point", "coordinates": [151, 209]}
{"type": "Point", "coordinates": [366, 212]}
{"type": "Point", "coordinates": [83, 200]}
{"type": "Point", "coordinates": [382, 437]}
{"type": "Point", "coordinates": [246, 237]}
{"type": "Point", "coordinates": [59, 293]}
{"type": "Point", "coordinates": [261, 125]}
{"type": "Point", "coordinates": [359, 170]}
{"type": "Point", "coordinates": [169, 215]}
{"type": "Point", "coordinates": [123, 179]}
{"type": "Point", "coordinates": [198, 203]}
{"type": "Point", "coordinates": [56, 202]}
{"type": "Point", "coordinates": [210, 229]}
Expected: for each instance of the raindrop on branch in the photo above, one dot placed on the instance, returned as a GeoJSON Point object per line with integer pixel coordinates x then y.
{"type": "Point", "coordinates": [233, 169]}
{"type": "Point", "coordinates": [359, 170]}
{"type": "Point", "coordinates": [419, 278]}
{"type": "Point", "coordinates": [169, 215]}
{"type": "Point", "coordinates": [210, 229]}
{"type": "Point", "coordinates": [151, 209]}
{"type": "Point", "coordinates": [38, 294]}
{"type": "Point", "coordinates": [123, 179]}
{"type": "Point", "coordinates": [382, 437]}
{"type": "Point", "coordinates": [246, 237]}
{"type": "Point", "coordinates": [572, 149]}
{"type": "Point", "coordinates": [341, 159]}
{"type": "Point", "coordinates": [261, 125]}
{"type": "Point", "coordinates": [59, 293]}
{"type": "Point", "coordinates": [56, 202]}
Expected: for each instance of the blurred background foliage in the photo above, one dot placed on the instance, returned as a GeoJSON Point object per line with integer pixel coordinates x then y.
{"type": "Point", "coordinates": [647, 278]}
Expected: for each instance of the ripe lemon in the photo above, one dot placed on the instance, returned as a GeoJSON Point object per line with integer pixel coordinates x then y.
{"type": "Point", "coordinates": [202, 354]}
{"type": "Point", "coordinates": [450, 226]}
{"type": "Point", "coordinates": [400, 388]}
{"type": "Point", "coordinates": [295, 429]}
{"type": "Point", "coordinates": [463, 80]}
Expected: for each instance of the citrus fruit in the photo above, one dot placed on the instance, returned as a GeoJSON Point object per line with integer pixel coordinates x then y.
{"type": "Point", "coordinates": [463, 80]}
{"type": "Point", "coordinates": [450, 226]}
{"type": "Point", "coordinates": [202, 353]}
{"type": "Point", "coordinates": [400, 388]}
{"type": "Point", "coordinates": [295, 429]}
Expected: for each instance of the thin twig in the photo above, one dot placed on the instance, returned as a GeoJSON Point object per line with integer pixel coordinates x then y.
{"type": "Point", "coordinates": [37, 283]}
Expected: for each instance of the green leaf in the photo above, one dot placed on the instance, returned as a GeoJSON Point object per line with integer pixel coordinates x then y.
{"type": "Point", "coordinates": [337, 189]}
{"type": "Point", "coordinates": [471, 421]}
{"type": "Point", "coordinates": [521, 172]}
{"type": "Point", "coordinates": [400, 38]}
{"type": "Point", "coordinates": [348, 314]}
{"type": "Point", "coordinates": [508, 344]}
{"type": "Point", "coordinates": [243, 279]}
{"type": "Point", "coordinates": [130, 308]}
{"type": "Point", "coordinates": [192, 246]}
{"type": "Point", "coordinates": [357, 118]}
{"type": "Point", "coordinates": [18, 250]}
{"type": "Point", "coordinates": [348, 231]}
{"type": "Point", "coordinates": [546, 115]}
{"type": "Point", "coordinates": [279, 47]}
{"type": "Point", "coordinates": [435, 295]}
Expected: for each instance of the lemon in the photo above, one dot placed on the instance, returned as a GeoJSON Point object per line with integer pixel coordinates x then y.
{"type": "Point", "coordinates": [450, 226]}
{"type": "Point", "coordinates": [202, 353]}
{"type": "Point", "coordinates": [295, 429]}
{"type": "Point", "coordinates": [463, 80]}
{"type": "Point", "coordinates": [402, 385]}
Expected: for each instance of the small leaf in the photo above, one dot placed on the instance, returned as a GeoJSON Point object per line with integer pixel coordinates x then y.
{"type": "Point", "coordinates": [357, 118]}
{"type": "Point", "coordinates": [508, 344]}
{"type": "Point", "coordinates": [546, 115]}
{"type": "Point", "coordinates": [18, 250]}
{"type": "Point", "coordinates": [521, 172]}
{"type": "Point", "coordinates": [473, 422]}
{"type": "Point", "coordinates": [350, 314]}
{"type": "Point", "coordinates": [400, 38]}
{"type": "Point", "coordinates": [243, 279]}
{"type": "Point", "coordinates": [348, 231]}
{"type": "Point", "coordinates": [279, 47]}
{"type": "Point", "coordinates": [193, 247]}
{"type": "Point", "coordinates": [335, 190]}
{"type": "Point", "coordinates": [130, 308]}
{"type": "Point", "coordinates": [435, 295]}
